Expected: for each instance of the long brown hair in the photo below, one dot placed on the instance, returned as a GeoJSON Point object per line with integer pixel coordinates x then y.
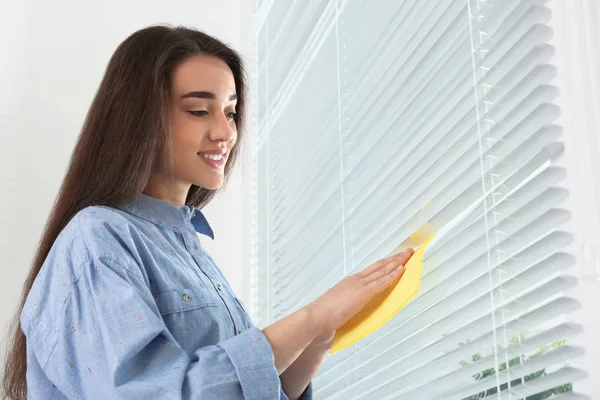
{"type": "Point", "coordinates": [122, 142]}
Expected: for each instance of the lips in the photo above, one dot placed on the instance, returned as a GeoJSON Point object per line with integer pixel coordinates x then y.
{"type": "Point", "coordinates": [213, 151]}
{"type": "Point", "coordinates": [213, 160]}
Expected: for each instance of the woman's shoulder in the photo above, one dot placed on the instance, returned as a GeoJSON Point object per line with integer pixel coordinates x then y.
{"type": "Point", "coordinates": [96, 220]}
{"type": "Point", "coordinates": [91, 225]}
{"type": "Point", "coordinates": [93, 216]}
{"type": "Point", "coordinates": [98, 231]}
{"type": "Point", "coordinates": [94, 234]}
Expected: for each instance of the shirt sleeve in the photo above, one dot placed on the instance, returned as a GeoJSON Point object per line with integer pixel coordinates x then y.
{"type": "Point", "coordinates": [306, 395]}
{"type": "Point", "coordinates": [112, 343]}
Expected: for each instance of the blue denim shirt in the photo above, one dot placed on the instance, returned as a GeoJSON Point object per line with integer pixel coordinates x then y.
{"type": "Point", "coordinates": [128, 305]}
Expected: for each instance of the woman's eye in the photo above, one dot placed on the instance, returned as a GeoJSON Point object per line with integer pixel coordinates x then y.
{"type": "Point", "coordinates": [232, 116]}
{"type": "Point", "coordinates": [198, 113]}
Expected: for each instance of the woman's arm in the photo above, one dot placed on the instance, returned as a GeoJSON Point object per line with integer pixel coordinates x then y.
{"type": "Point", "coordinates": [293, 341]}
{"type": "Point", "coordinates": [297, 377]}
{"type": "Point", "coordinates": [290, 336]}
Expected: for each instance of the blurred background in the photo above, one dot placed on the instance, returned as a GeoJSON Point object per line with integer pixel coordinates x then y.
{"type": "Point", "coordinates": [371, 120]}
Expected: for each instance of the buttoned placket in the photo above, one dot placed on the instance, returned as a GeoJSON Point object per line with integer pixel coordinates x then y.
{"type": "Point", "coordinates": [192, 244]}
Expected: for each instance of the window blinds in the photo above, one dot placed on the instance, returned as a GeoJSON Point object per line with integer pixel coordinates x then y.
{"type": "Point", "coordinates": [379, 118]}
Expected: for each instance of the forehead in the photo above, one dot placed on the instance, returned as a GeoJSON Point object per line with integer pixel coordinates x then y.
{"type": "Point", "coordinates": [201, 72]}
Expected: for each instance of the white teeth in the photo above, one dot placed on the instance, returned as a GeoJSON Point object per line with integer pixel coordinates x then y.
{"type": "Point", "coordinates": [214, 157]}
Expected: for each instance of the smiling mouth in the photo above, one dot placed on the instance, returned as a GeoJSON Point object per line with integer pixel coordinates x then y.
{"type": "Point", "coordinates": [216, 161]}
{"type": "Point", "coordinates": [214, 157]}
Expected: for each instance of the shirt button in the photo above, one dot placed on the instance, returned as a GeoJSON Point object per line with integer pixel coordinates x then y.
{"type": "Point", "coordinates": [219, 287]}
{"type": "Point", "coordinates": [193, 214]}
{"type": "Point", "coordinates": [186, 297]}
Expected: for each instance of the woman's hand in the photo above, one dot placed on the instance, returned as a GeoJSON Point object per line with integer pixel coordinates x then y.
{"type": "Point", "coordinates": [314, 325]}
{"type": "Point", "coordinates": [351, 294]}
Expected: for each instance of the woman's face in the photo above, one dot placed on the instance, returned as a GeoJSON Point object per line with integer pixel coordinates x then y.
{"type": "Point", "coordinates": [203, 128]}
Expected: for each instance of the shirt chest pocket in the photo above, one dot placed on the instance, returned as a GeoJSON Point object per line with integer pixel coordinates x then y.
{"type": "Point", "coordinates": [193, 317]}
{"type": "Point", "coordinates": [180, 300]}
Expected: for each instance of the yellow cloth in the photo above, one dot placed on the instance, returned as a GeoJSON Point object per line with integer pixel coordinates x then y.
{"type": "Point", "coordinates": [384, 305]}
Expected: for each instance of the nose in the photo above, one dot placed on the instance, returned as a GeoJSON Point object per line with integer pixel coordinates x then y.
{"type": "Point", "coordinates": [223, 129]}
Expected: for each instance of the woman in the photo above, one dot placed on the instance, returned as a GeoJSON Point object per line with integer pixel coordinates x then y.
{"type": "Point", "coordinates": [122, 302]}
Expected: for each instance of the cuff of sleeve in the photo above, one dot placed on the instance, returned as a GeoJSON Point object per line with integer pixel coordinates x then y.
{"type": "Point", "coordinates": [254, 362]}
{"type": "Point", "coordinates": [308, 393]}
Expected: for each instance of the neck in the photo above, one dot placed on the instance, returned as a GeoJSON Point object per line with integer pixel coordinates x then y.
{"type": "Point", "coordinates": [168, 191]}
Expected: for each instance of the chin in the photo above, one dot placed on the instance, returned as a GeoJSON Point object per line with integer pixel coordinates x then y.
{"type": "Point", "coordinates": [210, 185]}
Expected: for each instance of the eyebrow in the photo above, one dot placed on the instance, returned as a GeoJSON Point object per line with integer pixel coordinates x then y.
{"type": "Point", "coordinates": [206, 95]}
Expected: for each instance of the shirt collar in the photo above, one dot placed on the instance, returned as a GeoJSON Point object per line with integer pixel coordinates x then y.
{"type": "Point", "coordinates": [167, 215]}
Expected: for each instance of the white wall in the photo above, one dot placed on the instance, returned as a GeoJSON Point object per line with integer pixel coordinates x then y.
{"type": "Point", "coordinates": [577, 42]}
{"type": "Point", "coordinates": [52, 58]}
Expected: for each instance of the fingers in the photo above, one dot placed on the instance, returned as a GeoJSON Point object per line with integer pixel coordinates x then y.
{"type": "Point", "coordinates": [384, 271]}
{"type": "Point", "coordinates": [387, 274]}
{"type": "Point", "coordinates": [374, 267]}
{"type": "Point", "coordinates": [405, 256]}
{"type": "Point", "coordinates": [385, 281]}
{"type": "Point", "coordinates": [399, 259]}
